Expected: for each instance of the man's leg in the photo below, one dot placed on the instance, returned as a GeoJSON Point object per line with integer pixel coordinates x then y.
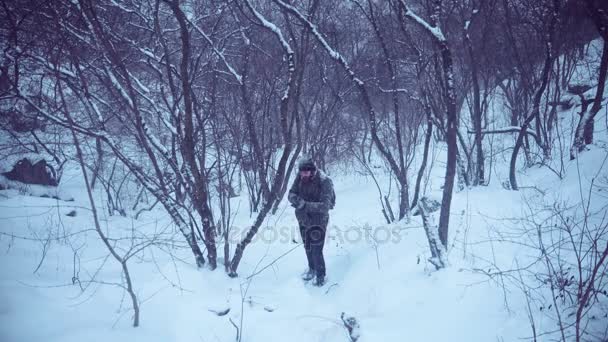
{"type": "Point", "coordinates": [305, 233]}
{"type": "Point", "coordinates": [317, 237]}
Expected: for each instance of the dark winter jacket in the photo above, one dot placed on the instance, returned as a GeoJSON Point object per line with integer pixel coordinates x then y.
{"type": "Point", "coordinates": [318, 194]}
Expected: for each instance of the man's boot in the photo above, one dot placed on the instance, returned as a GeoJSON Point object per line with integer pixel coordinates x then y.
{"type": "Point", "coordinates": [308, 275]}
{"type": "Point", "coordinates": [319, 281]}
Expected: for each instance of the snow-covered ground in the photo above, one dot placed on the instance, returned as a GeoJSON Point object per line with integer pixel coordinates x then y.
{"type": "Point", "coordinates": [392, 294]}
{"type": "Point", "coordinates": [376, 273]}
{"type": "Point", "coordinates": [390, 289]}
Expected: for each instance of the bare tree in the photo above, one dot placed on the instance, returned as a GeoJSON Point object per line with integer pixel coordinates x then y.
{"type": "Point", "coordinates": [584, 131]}
{"type": "Point", "coordinates": [434, 30]}
{"type": "Point", "coordinates": [535, 111]}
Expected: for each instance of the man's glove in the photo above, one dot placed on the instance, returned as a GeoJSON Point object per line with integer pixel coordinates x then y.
{"type": "Point", "coordinates": [298, 203]}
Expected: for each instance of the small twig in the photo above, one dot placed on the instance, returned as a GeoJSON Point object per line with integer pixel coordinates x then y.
{"type": "Point", "coordinates": [273, 262]}
{"type": "Point", "coordinates": [238, 332]}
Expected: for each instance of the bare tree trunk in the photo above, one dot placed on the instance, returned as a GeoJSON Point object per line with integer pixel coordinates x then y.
{"type": "Point", "coordinates": [477, 126]}
{"type": "Point", "coordinates": [240, 247]}
{"type": "Point", "coordinates": [98, 163]}
{"type": "Point", "coordinates": [451, 111]}
{"type": "Point", "coordinates": [302, 52]}
{"type": "Point", "coordinates": [290, 168]}
{"type": "Point", "coordinates": [121, 260]}
{"type": "Point", "coordinates": [270, 192]}
{"type": "Point", "coordinates": [584, 130]}
{"type": "Point", "coordinates": [401, 175]}
{"type": "Point", "coordinates": [451, 139]}
{"type": "Point", "coordinates": [476, 113]}
{"type": "Point", "coordinates": [200, 197]}
{"type": "Point", "coordinates": [425, 157]}
{"type": "Point", "coordinates": [535, 113]}
{"type": "Point", "coordinates": [464, 163]}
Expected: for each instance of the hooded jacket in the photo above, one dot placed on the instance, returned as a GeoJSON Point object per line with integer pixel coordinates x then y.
{"type": "Point", "coordinates": [319, 197]}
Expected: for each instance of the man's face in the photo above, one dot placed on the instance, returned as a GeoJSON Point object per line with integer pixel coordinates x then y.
{"type": "Point", "coordinates": [305, 174]}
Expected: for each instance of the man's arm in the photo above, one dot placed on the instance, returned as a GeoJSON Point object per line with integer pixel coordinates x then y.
{"type": "Point", "coordinates": [294, 194]}
{"type": "Point", "coordinates": [324, 205]}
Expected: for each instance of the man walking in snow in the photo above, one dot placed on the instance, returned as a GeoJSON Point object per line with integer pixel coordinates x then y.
{"type": "Point", "coordinates": [312, 194]}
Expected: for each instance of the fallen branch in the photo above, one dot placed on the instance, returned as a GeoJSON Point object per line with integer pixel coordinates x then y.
{"type": "Point", "coordinates": [509, 129]}
{"type": "Point", "coordinates": [352, 326]}
{"type": "Point", "coordinates": [438, 250]}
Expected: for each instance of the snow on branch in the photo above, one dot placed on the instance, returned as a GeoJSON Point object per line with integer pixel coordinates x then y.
{"type": "Point", "coordinates": [272, 27]}
{"type": "Point", "coordinates": [144, 126]}
{"type": "Point", "coordinates": [438, 250]}
{"type": "Point", "coordinates": [352, 326]}
{"type": "Point", "coordinates": [138, 82]}
{"type": "Point", "coordinates": [435, 31]}
{"type": "Point", "coordinates": [291, 67]}
{"type": "Point", "coordinates": [313, 28]}
{"type": "Point", "coordinates": [335, 55]}
{"type": "Point", "coordinates": [221, 56]}
{"type": "Point", "coordinates": [55, 67]}
{"type": "Point", "coordinates": [118, 86]}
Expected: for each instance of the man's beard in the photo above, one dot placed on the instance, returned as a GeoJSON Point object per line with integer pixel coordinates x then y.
{"type": "Point", "coordinates": [307, 179]}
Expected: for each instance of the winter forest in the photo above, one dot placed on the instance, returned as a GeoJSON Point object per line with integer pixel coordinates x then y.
{"type": "Point", "coordinates": [149, 152]}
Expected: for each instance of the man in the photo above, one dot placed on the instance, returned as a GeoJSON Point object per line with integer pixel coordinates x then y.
{"type": "Point", "coordinates": [312, 194]}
